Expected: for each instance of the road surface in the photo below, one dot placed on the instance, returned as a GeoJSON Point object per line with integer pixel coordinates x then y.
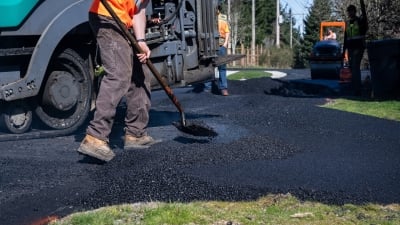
{"type": "Point", "coordinates": [273, 137]}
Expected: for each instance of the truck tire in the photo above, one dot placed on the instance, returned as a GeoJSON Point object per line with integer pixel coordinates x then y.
{"type": "Point", "coordinates": [17, 117]}
{"type": "Point", "coordinates": [65, 97]}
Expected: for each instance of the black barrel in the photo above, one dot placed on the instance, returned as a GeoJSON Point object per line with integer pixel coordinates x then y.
{"type": "Point", "coordinates": [384, 57]}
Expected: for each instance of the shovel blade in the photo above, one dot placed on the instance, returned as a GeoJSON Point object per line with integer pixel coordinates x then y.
{"type": "Point", "coordinates": [195, 128]}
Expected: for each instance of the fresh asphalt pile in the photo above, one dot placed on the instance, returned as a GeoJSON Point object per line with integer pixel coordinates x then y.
{"type": "Point", "coordinates": [272, 137]}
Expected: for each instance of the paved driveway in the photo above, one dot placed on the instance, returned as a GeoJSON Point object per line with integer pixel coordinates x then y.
{"type": "Point", "coordinates": [272, 138]}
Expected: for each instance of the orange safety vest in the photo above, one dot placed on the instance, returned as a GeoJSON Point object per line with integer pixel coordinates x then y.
{"type": "Point", "coordinates": [125, 9]}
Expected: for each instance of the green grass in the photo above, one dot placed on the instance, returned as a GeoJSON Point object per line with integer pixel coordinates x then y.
{"type": "Point", "coordinates": [248, 74]}
{"type": "Point", "coordinates": [381, 109]}
{"type": "Point", "coordinates": [271, 209]}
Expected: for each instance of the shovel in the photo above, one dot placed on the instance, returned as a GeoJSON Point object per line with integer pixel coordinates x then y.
{"type": "Point", "coordinates": [195, 128]}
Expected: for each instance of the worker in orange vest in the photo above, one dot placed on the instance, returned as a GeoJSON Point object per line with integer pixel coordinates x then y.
{"type": "Point", "coordinates": [126, 75]}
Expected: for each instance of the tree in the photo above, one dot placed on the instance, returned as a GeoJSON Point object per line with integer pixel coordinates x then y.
{"type": "Point", "coordinates": [243, 10]}
{"type": "Point", "coordinates": [321, 10]}
{"type": "Point", "coordinates": [264, 20]}
{"type": "Point", "coordinates": [285, 27]}
{"type": "Point", "coordinates": [253, 32]}
{"type": "Point", "coordinates": [235, 14]}
{"type": "Point", "coordinates": [387, 15]}
{"type": "Point", "coordinates": [383, 17]}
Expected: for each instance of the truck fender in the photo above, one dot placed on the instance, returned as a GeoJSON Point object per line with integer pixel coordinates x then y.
{"type": "Point", "coordinates": [61, 24]}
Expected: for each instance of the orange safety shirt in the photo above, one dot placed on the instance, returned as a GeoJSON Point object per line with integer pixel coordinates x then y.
{"type": "Point", "coordinates": [223, 28]}
{"type": "Point", "coordinates": [125, 9]}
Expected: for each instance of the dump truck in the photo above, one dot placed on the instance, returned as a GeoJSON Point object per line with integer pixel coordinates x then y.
{"type": "Point", "coordinates": [49, 57]}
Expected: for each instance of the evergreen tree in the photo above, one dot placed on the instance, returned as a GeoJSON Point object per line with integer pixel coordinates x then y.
{"type": "Point", "coordinates": [265, 21]}
{"type": "Point", "coordinates": [383, 17]}
{"type": "Point", "coordinates": [285, 27]}
{"type": "Point", "coordinates": [244, 23]}
{"type": "Point", "coordinates": [321, 10]}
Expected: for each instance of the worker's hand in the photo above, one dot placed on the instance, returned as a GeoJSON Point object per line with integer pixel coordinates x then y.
{"type": "Point", "coordinates": [143, 57]}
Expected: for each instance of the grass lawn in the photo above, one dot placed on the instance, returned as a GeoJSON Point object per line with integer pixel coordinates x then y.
{"type": "Point", "coordinates": [248, 74]}
{"type": "Point", "coordinates": [271, 209]}
{"type": "Point", "coordinates": [382, 109]}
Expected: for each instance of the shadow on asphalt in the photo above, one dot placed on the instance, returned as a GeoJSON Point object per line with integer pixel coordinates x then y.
{"type": "Point", "coordinates": [318, 88]}
{"type": "Point", "coordinates": [307, 88]}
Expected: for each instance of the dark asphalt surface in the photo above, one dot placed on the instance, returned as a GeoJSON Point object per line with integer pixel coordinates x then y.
{"type": "Point", "coordinates": [272, 138]}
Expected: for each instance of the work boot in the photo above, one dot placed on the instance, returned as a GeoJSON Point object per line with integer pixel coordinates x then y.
{"type": "Point", "coordinates": [132, 142]}
{"type": "Point", "coordinates": [224, 92]}
{"type": "Point", "coordinates": [96, 148]}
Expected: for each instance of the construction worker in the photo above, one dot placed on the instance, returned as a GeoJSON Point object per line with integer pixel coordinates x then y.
{"type": "Point", "coordinates": [125, 76]}
{"type": "Point", "coordinates": [331, 35]}
{"type": "Point", "coordinates": [354, 43]}
{"type": "Point", "coordinates": [224, 32]}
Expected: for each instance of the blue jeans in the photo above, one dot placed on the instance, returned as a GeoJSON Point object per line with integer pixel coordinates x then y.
{"type": "Point", "coordinates": [222, 81]}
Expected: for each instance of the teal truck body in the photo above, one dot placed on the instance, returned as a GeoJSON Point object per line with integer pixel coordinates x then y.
{"type": "Point", "coordinates": [13, 12]}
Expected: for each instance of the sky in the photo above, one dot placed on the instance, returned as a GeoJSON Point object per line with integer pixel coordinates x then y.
{"type": "Point", "coordinates": [299, 10]}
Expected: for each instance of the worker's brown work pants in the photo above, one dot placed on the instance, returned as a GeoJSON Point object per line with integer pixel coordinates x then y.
{"type": "Point", "coordinates": [125, 76]}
